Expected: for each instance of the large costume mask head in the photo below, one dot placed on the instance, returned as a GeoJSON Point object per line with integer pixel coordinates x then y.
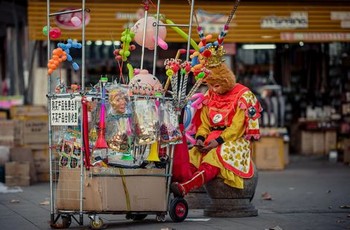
{"type": "Point", "coordinates": [220, 79]}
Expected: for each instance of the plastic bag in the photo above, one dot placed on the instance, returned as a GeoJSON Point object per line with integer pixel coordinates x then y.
{"type": "Point", "coordinates": [169, 126]}
{"type": "Point", "coordinates": [146, 121]}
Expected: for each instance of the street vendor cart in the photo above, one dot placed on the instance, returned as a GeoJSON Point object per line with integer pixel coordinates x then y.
{"type": "Point", "coordinates": [112, 145]}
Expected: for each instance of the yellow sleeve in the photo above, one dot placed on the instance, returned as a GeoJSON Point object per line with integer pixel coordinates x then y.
{"type": "Point", "coordinates": [204, 128]}
{"type": "Point", "coordinates": [236, 129]}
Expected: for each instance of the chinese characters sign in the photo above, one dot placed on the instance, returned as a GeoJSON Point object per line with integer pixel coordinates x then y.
{"type": "Point", "coordinates": [64, 111]}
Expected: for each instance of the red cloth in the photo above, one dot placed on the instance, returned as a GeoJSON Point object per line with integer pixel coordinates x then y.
{"type": "Point", "coordinates": [182, 168]}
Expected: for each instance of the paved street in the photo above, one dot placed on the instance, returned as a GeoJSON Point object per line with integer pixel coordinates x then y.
{"type": "Point", "coordinates": [310, 194]}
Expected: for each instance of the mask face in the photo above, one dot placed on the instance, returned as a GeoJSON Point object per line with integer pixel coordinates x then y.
{"type": "Point", "coordinates": [221, 79]}
{"type": "Point", "coordinates": [219, 87]}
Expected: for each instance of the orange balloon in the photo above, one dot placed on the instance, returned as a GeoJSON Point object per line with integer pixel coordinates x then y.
{"type": "Point", "coordinates": [50, 71]}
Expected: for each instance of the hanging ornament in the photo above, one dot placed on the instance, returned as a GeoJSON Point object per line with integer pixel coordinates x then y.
{"type": "Point", "coordinates": [55, 33]}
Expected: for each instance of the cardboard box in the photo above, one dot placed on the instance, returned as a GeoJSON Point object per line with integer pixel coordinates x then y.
{"type": "Point", "coordinates": [17, 173]}
{"type": "Point", "coordinates": [24, 155]}
{"type": "Point", "coordinates": [31, 130]}
{"type": "Point", "coordinates": [346, 150]}
{"type": "Point", "coordinates": [113, 190]}
{"type": "Point", "coordinates": [318, 144]}
{"type": "Point", "coordinates": [306, 143]}
{"type": "Point", "coordinates": [286, 153]}
{"type": "Point", "coordinates": [269, 153]}
{"type": "Point", "coordinates": [27, 110]}
{"type": "Point", "coordinates": [41, 158]}
{"type": "Point", "coordinates": [330, 141]}
{"type": "Point", "coordinates": [43, 177]}
{"type": "Point", "coordinates": [7, 133]}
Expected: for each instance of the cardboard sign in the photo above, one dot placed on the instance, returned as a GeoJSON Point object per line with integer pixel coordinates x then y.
{"type": "Point", "coordinates": [65, 111]}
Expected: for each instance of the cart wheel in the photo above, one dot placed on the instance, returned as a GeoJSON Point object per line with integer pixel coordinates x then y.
{"type": "Point", "coordinates": [137, 217]}
{"type": "Point", "coordinates": [178, 209]}
{"type": "Point", "coordinates": [66, 221]}
{"type": "Point", "coordinates": [160, 217]}
{"type": "Point", "coordinates": [96, 223]}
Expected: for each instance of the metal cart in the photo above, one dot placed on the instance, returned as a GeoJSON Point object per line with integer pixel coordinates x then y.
{"type": "Point", "coordinates": [77, 190]}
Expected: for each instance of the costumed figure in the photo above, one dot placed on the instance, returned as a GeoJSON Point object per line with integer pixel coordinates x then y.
{"type": "Point", "coordinates": [226, 123]}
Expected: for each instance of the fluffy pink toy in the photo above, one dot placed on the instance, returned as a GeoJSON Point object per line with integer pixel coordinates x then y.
{"type": "Point", "coordinates": [150, 33]}
{"type": "Point", "coordinates": [145, 83]}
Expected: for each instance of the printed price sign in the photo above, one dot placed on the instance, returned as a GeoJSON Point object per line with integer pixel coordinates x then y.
{"type": "Point", "coordinates": [64, 111]}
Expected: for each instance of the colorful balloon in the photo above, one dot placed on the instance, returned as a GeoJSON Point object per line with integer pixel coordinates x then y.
{"type": "Point", "coordinates": [76, 21]}
{"type": "Point", "coordinates": [45, 30]}
{"type": "Point", "coordinates": [182, 34]}
{"type": "Point", "coordinates": [150, 33]}
{"type": "Point", "coordinates": [55, 33]}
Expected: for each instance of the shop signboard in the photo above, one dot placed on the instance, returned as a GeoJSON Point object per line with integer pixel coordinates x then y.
{"type": "Point", "coordinates": [294, 21]}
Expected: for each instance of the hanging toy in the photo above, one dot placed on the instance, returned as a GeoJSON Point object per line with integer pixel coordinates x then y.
{"type": "Point", "coordinates": [66, 47]}
{"type": "Point", "coordinates": [182, 33]}
{"type": "Point", "coordinates": [150, 34]}
{"type": "Point", "coordinates": [145, 83]}
{"type": "Point", "coordinates": [124, 53]}
{"type": "Point", "coordinates": [101, 142]}
{"type": "Point", "coordinates": [58, 56]}
{"type": "Point", "coordinates": [76, 21]}
{"type": "Point", "coordinates": [55, 33]}
{"type": "Point", "coordinates": [45, 30]}
{"type": "Point", "coordinates": [123, 50]}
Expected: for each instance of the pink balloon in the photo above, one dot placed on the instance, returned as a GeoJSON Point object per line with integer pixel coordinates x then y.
{"type": "Point", "coordinates": [150, 32]}
{"type": "Point", "coordinates": [198, 99]}
{"type": "Point", "coordinates": [76, 21]}
{"type": "Point", "coordinates": [190, 138]}
{"type": "Point", "coordinates": [55, 33]}
{"type": "Point", "coordinates": [162, 44]}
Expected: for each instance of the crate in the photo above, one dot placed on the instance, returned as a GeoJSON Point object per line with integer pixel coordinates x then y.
{"type": "Point", "coordinates": [268, 153]}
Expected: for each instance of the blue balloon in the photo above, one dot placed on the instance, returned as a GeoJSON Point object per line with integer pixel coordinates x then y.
{"type": "Point", "coordinates": [69, 58]}
{"type": "Point", "coordinates": [188, 116]}
{"type": "Point", "coordinates": [75, 66]}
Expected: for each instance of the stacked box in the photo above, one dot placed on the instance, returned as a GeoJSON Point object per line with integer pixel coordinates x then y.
{"type": "Point", "coordinates": [318, 142]}
{"type": "Point", "coordinates": [17, 174]}
{"type": "Point", "coordinates": [24, 155]}
{"type": "Point", "coordinates": [346, 150]}
{"type": "Point", "coordinates": [306, 142]}
{"type": "Point", "coordinates": [7, 133]}
{"type": "Point", "coordinates": [31, 130]}
{"type": "Point", "coordinates": [41, 162]}
{"type": "Point", "coordinates": [27, 110]}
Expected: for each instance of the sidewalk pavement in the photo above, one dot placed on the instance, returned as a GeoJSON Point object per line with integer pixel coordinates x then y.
{"type": "Point", "coordinates": [310, 194]}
